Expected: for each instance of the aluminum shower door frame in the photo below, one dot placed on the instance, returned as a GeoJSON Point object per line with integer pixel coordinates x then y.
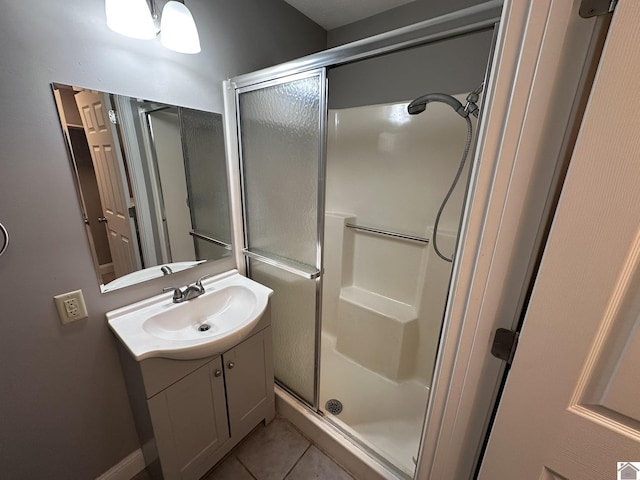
{"type": "Point", "coordinates": [309, 272]}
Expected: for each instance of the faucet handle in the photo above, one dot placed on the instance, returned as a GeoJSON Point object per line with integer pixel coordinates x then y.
{"type": "Point", "coordinates": [199, 282]}
{"type": "Point", "coordinates": [177, 293]}
{"type": "Point", "coordinates": [166, 270]}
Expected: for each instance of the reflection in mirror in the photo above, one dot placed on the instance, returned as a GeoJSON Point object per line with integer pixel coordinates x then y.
{"type": "Point", "coordinates": [151, 181]}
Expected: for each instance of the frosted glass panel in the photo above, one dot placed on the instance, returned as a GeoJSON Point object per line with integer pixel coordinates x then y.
{"type": "Point", "coordinates": [293, 320]}
{"type": "Point", "coordinates": [205, 165]}
{"type": "Point", "coordinates": [281, 136]}
{"type": "Point", "coordinates": [280, 131]}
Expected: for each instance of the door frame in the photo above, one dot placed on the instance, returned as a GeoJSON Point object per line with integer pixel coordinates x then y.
{"type": "Point", "coordinates": [542, 72]}
{"type": "Point", "coordinates": [518, 166]}
{"type": "Point", "coordinates": [568, 405]}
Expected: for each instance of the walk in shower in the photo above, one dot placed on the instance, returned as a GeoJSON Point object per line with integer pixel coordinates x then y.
{"type": "Point", "coordinates": [340, 189]}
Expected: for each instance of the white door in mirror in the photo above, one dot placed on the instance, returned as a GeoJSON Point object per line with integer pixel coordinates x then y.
{"type": "Point", "coordinates": [71, 306]}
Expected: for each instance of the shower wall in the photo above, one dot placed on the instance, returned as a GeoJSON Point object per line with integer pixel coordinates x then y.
{"type": "Point", "coordinates": [383, 297]}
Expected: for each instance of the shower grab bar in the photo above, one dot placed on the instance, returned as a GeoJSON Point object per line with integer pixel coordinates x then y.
{"type": "Point", "coordinates": [207, 238]}
{"type": "Point", "coordinates": [5, 243]}
{"type": "Point", "coordinates": [290, 266]}
{"type": "Point", "coordinates": [388, 233]}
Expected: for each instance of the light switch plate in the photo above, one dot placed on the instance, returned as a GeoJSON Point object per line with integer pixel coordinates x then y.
{"type": "Point", "coordinates": [71, 306]}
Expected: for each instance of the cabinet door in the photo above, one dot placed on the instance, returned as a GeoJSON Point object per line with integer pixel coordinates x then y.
{"type": "Point", "coordinates": [249, 379]}
{"type": "Point", "coordinates": [190, 422]}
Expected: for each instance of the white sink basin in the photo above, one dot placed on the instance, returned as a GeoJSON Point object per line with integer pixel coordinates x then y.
{"type": "Point", "coordinates": [207, 325]}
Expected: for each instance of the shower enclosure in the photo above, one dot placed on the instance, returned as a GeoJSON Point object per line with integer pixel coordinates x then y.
{"type": "Point", "coordinates": [340, 189]}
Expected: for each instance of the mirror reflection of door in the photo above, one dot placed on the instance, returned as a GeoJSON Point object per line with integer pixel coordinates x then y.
{"type": "Point", "coordinates": [86, 182]}
{"type": "Point", "coordinates": [91, 205]}
{"type": "Point", "coordinates": [112, 182]}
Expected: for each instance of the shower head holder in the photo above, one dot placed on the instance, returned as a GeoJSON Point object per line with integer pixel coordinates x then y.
{"type": "Point", "coordinates": [419, 105]}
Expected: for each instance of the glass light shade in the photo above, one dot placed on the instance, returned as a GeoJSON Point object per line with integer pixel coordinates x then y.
{"type": "Point", "coordinates": [131, 18]}
{"type": "Point", "coordinates": [178, 30]}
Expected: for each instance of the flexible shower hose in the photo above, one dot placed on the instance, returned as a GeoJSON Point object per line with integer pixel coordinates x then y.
{"type": "Point", "coordinates": [463, 160]}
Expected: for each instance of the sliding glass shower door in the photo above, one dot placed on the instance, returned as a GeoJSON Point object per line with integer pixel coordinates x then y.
{"type": "Point", "coordinates": [281, 129]}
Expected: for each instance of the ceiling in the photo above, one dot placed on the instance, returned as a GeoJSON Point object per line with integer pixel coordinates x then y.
{"type": "Point", "coordinates": [334, 13]}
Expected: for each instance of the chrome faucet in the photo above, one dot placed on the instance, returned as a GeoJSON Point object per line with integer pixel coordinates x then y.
{"type": "Point", "coordinates": [190, 292]}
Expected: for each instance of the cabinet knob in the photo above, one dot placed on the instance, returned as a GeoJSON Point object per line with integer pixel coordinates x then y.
{"type": "Point", "coordinates": [230, 365]}
{"type": "Point", "coordinates": [217, 373]}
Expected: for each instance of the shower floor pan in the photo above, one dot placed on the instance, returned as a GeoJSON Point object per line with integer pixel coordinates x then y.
{"type": "Point", "coordinates": [385, 415]}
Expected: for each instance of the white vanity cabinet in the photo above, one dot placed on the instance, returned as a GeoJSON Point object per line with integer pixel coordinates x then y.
{"type": "Point", "coordinates": [189, 420]}
{"type": "Point", "coordinates": [190, 413]}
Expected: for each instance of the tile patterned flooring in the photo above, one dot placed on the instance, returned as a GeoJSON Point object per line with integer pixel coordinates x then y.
{"type": "Point", "coordinates": [275, 452]}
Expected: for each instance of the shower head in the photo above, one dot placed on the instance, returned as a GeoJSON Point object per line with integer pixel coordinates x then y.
{"type": "Point", "coordinates": [420, 104]}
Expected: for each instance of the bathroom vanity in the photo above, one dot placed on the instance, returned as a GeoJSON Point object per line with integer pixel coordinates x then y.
{"type": "Point", "coordinates": [190, 412]}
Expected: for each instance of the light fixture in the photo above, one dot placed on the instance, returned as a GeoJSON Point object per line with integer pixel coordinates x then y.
{"type": "Point", "coordinates": [138, 19]}
{"type": "Point", "coordinates": [179, 32]}
{"type": "Point", "coordinates": [131, 18]}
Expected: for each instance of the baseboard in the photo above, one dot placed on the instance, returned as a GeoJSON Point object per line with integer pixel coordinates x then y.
{"type": "Point", "coordinates": [128, 468]}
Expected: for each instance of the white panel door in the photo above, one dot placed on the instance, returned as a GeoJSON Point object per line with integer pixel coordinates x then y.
{"type": "Point", "coordinates": [571, 404]}
{"type": "Point", "coordinates": [112, 183]}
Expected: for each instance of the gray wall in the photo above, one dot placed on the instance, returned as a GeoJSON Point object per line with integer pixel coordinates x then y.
{"type": "Point", "coordinates": [64, 411]}
{"type": "Point", "coordinates": [401, 16]}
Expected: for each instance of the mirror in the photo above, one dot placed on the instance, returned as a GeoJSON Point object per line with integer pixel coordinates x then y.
{"type": "Point", "coordinates": [152, 183]}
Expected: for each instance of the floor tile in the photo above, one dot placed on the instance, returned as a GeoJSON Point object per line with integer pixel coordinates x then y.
{"type": "Point", "coordinates": [271, 452]}
{"type": "Point", "coordinates": [316, 465]}
{"type": "Point", "coordinates": [230, 469]}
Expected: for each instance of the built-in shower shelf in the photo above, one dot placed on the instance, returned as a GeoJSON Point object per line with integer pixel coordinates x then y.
{"type": "Point", "coordinates": [377, 332]}
{"type": "Point", "coordinates": [378, 304]}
